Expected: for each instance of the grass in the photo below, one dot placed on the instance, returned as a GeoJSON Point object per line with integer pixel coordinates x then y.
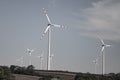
{"type": "Point", "coordinates": [25, 77]}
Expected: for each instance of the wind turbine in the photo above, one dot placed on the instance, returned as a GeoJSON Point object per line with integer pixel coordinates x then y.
{"type": "Point", "coordinates": [103, 55]}
{"type": "Point", "coordinates": [48, 29]}
{"type": "Point", "coordinates": [29, 51]}
{"type": "Point", "coordinates": [41, 58]}
{"type": "Point", "coordinates": [95, 61]}
{"type": "Point", "coordinates": [20, 60]}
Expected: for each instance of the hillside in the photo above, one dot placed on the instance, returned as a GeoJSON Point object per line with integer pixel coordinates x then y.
{"type": "Point", "coordinates": [29, 73]}
{"type": "Point", "coordinates": [47, 75]}
{"type": "Point", "coordinates": [61, 75]}
{"type": "Point", "coordinates": [25, 77]}
{"type": "Point", "coordinates": [64, 75]}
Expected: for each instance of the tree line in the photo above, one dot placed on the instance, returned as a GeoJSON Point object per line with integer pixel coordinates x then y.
{"type": "Point", "coordinates": [88, 76]}
{"type": "Point", "coordinates": [6, 74]}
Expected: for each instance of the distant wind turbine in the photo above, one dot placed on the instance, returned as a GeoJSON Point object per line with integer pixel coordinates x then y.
{"type": "Point", "coordinates": [48, 29]}
{"type": "Point", "coordinates": [41, 59]}
{"type": "Point", "coordinates": [103, 55]}
{"type": "Point", "coordinates": [20, 60]}
{"type": "Point", "coordinates": [95, 61]}
{"type": "Point", "coordinates": [29, 51]}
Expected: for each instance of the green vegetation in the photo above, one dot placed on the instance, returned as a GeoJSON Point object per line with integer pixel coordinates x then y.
{"type": "Point", "coordinates": [110, 76]}
{"type": "Point", "coordinates": [22, 70]}
{"type": "Point", "coordinates": [5, 73]}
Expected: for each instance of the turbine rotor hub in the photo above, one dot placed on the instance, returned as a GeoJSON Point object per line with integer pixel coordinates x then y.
{"type": "Point", "coordinates": [49, 24]}
{"type": "Point", "coordinates": [103, 45]}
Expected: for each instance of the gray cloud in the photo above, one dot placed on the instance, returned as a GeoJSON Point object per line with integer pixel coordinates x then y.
{"type": "Point", "coordinates": [52, 3]}
{"type": "Point", "coordinates": [103, 19]}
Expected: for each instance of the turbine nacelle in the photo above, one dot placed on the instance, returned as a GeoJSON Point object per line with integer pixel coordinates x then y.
{"type": "Point", "coordinates": [48, 24]}
{"type": "Point", "coordinates": [30, 51]}
{"type": "Point", "coordinates": [103, 45]}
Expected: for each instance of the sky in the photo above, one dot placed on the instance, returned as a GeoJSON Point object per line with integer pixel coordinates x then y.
{"type": "Point", "coordinates": [22, 23]}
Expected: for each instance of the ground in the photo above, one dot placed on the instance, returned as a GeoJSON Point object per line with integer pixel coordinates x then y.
{"type": "Point", "coordinates": [25, 77]}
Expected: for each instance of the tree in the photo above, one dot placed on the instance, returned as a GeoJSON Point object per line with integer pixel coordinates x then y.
{"type": "Point", "coordinates": [7, 71]}
{"type": "Point", "coordinates": [1, 72]}
{"type": "Point", "coordinates": [12, 68]}
{"type": "Point", "coordinates": [117, 76]}
{"type": "Point", "coordinates": [30, 69]}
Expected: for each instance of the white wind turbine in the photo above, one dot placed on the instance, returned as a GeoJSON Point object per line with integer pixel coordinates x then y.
{"type": "Point", "coordinates": [48, 29]}
{"type": "Point", "coordinates": [29, 51]}
{"type": "Point", "coordinates": [20, 60]}
{"type": "Point", "coordinates": [41, 59]}
{"type": "Point", "coordinates": [95, 61]}
{"type": "Point", "coordinates": [103, 55]}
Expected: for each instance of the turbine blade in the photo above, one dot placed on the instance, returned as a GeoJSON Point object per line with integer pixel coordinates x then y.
{"type": "Point", "coordinates": [45, 12]}
{"type": "Point", "coordinates": [102, 48]}
{"type": "Point", "coordinates": [48, 19]}
{"type": "Point", "coordinates": [108, 45]}
{"type": "Point", "coordinates": [59, 26]}
{"type": "Point", "coordinates": [28, 49]}
{"type": "Point", "coordinates": [47, 29]}
{"type": "Point", "coordinates": [45, 32]}
{"type": "Point", "coordinates": [32, 50]}
{"type": "Point", "coordinates": [102, 41]}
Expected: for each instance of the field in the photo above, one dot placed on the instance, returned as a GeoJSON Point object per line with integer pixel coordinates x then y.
{"type": "Point", "coordinates": [49, 75]}
{"type": "Point", "coordinates": [25, 77]}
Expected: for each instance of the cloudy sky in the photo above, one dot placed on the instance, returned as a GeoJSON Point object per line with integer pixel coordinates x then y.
{"type": "Point", "coordinates": [74, 47]}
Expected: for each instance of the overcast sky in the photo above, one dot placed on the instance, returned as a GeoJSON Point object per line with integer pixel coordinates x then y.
{"type": "Point", "coordinates": [74, 47]}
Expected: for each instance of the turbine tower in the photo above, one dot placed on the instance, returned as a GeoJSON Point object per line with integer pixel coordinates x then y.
{"type": "Point", "coordinates": [51, 58]}
{"type": "Point", "coordinates": [29, 51]}
{"type": "Point", "coordinates": [103, 55]}
{"type": "Point", "coordinates": [41, 59]}
{"type": "Point", "coordinates": [48, 29]}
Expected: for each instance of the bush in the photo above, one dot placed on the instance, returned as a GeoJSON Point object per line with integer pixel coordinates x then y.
{"type": "Point", "coordinates": [1, 72]}
{"type": "Point", "coordinates": [30, 68]}
{"type": "Point", "coordinates": [23, 70]}
{"type": "Point", "coordinates": [5, 73]}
